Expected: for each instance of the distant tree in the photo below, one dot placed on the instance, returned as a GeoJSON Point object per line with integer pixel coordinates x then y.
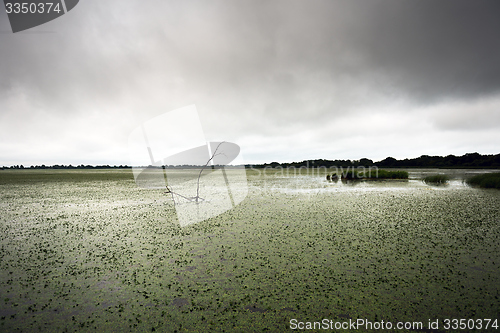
{"type": "Point", "coordinates": [365, 162]}
{"type": "Point", "coordinates": [388, 162]}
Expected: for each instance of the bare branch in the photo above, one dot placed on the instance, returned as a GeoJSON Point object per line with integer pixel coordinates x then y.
{"type": "Point", "coordinates": [203, 168]}
{"type": "Point", "coordinates": [197, 198]}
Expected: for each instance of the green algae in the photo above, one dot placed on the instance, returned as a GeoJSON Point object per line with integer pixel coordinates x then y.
{"type": "Point", "coordinates": [104, 255]}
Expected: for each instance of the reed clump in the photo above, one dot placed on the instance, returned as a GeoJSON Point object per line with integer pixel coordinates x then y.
{"type": "Point", "coordinates": [436, 179]}
{"type": "Point", "coordinates": [487, 180]}
{"type": "Point", "coordinates": [392, 174]}
{"type": "Point", "coordinates": [375, 174]}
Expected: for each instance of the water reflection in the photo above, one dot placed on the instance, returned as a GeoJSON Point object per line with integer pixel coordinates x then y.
{"type": "Point", "coordinates": [351, 182]}
{"type": "Point", "coordinates": [453, 174]}
{"type": "Point", "coordinates": [316, 184]}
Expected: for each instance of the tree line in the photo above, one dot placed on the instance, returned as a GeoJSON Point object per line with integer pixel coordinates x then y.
{"type": "Point", "coordinates": [58, 166]}
{"type": "Point", "coordinates": [470, 160]}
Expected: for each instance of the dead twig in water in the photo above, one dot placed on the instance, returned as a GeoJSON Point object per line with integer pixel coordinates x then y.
{"type": "Point", "coordinates": [197, 198]}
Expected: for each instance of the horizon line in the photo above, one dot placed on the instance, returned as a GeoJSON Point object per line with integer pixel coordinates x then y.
{"type": "Point", "coordinates": [125, 166]}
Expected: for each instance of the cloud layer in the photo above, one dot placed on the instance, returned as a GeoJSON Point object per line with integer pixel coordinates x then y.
{"type": "Point", "coordinates": [286, 80]}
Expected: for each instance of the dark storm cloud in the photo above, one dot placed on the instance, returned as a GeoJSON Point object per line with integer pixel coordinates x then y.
{"type": "Point", "coordinates": [261, 69]}
{"type": "Point", "coordinates": [422, 49]}
{"type": "Point", "coordinates": [434, 49]}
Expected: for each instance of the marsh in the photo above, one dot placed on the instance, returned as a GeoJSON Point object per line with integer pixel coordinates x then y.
{"type": "Point", "coordinates": [89, 250]}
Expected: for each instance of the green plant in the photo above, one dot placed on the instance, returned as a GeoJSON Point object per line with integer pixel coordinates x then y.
{"type": "Point", "coordinates": [487, 180]}
{"type": "Point", "coordinates": [436, 179]}
{"type": "Point", "coordinates": [378, 174]}
{"type": "Point", "coordinates": [392, 174]}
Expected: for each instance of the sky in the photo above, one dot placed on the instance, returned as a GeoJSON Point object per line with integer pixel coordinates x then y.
{"type": "Point", "coordinates": [286, 80]}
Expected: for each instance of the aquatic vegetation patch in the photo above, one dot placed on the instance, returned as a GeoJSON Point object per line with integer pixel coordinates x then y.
{"type": "Point", "coordinates": [60, 176]}
{"type": "Point", "coordinates": [374, 174]}
{"type": "Point", "coordinates": [109, 256]}
{"type": "Point", "coordinates": [487, 180]}
{"type": "Point", "coordinates": [391, 174]}
{"type": "Point", "coordinates": [440, 179]}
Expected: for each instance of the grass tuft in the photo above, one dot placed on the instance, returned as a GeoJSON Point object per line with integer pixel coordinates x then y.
{"type": "Point", "coordinates": [376, 174]}
{"type": "Point", "coordinates": [436, 179]}
{"type": "Point", "coordinates": [487, 180]}
{"type": "Point", "coordinates": [392, 174]}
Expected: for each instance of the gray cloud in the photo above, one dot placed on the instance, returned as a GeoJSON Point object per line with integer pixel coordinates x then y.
{"type": "Point", "coordinates": [270, 74]}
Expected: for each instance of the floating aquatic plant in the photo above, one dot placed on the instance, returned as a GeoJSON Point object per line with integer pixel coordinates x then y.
{"type": "Point", "coordinates": [101, 254]}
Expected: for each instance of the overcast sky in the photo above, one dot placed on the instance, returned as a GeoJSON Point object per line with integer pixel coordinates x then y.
{"type": "Point", "coordinates": [285, 80]}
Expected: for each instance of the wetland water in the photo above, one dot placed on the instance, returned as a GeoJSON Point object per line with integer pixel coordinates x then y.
{"type": "Point", "coordinates": [90, 251]}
